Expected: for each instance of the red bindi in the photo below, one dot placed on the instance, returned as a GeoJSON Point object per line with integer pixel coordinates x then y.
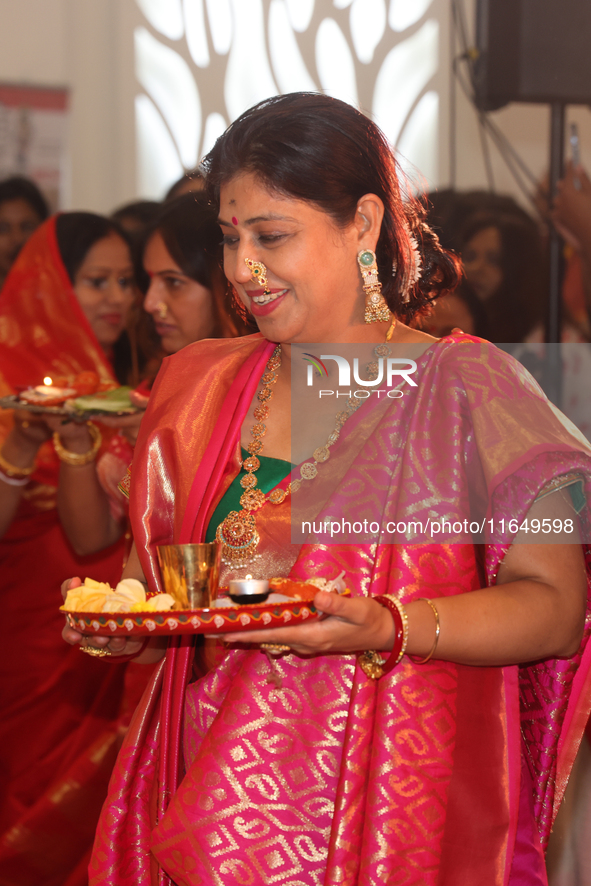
{"type": "Point", "coordinates": [234, 220]}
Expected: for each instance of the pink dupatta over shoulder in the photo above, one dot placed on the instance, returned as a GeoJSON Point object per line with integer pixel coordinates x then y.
{"type": "Point", "coordinates": [332, 778]}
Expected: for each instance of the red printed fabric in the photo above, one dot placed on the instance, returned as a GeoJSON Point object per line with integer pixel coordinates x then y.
{"type": "Point", "coordinates": [63, 713]}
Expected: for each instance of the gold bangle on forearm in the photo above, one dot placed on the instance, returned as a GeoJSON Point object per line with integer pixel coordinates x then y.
{"type": "Point", "coordinates": [437, 629]}
{"type": "Point", "coordinates": [79, 458]}
{"type": "Point", "coordinates": [13, 470]}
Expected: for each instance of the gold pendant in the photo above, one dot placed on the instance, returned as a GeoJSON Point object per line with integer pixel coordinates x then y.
{"type": "Point", "coordinates": [239, 538]}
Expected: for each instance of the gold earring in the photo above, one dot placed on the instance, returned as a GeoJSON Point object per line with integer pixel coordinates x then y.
{"type": "Point", "coordinates": [258, 274]}
{"type": "Point", "coordinates": [376, 309]}
{"type": "Point", "coordinates": [162, 309]}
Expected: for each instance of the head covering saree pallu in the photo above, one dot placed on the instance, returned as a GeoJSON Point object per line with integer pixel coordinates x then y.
{"type": "Point", "coordinates": [334, 778]}
{"type": "Point", "coordinates": [61, 722]}
{"type": "Point", "coordinates": [43, 332]}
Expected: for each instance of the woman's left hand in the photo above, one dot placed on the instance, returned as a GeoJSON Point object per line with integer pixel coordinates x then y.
{"type": "Point", "coordinates": [350, 624]}
{"type": "Point", "coordinates": [128, 425]}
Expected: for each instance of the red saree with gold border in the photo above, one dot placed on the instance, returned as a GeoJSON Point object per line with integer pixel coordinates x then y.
{"type": "Point", "coordinates": [331, 778]}
{"type": "Point", "coordinates": [61, 720]}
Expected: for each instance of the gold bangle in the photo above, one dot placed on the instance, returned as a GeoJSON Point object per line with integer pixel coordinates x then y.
{"type": "Point", "coordinates": [96, 651]}
{"type": "Point", "coordinates": [79, 458]}
{"type": "Point", "coordinates": [437, 629]}
{"type": "Point", "coordinates": [13, 470]}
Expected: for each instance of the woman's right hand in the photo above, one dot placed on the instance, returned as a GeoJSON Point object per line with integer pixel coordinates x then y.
{"type": "Point", "coordinates": [115, 645]}
{"type": "Point", "coordinates": [75, 436]}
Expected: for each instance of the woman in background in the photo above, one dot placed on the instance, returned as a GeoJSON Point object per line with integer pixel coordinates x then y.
{"type": "Point", "coordinates": [186, 300]}
{"type": "Point", "coordinates": [505, 266]}
{"type": "Point", "coordinates": [22, 209]}
{"type": "Point", "coordinates": [63, 311]}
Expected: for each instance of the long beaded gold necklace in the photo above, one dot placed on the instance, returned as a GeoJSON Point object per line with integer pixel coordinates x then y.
{"type": "Point", "coordinates": [238, 533]}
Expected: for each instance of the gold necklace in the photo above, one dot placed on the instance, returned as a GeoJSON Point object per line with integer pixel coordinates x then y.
{"type": "Point", "coordinates": [238, 533]}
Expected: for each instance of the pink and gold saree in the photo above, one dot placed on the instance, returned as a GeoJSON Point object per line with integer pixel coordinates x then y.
{"type": "Point", "coordinates": [330, 778]}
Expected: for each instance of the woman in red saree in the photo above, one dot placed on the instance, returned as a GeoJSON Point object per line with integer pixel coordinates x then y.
{"type": "Point", "coordinates": [186, 299]}
{"type": "Point", "coordinates": [312, 772]}
{"type": "Point", "coordinates": [61, 711]}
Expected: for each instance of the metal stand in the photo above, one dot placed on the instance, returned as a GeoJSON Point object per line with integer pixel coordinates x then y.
{"type": "Point", "coordinates": [552, 381]}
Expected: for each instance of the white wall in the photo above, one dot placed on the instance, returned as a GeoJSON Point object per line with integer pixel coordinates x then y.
{"type": "Point", "coordinates": [33, 41]}
{"type": "Point", "coordinates": [87, 45]}
{"type": "Point", "coordinates": [198, 71]}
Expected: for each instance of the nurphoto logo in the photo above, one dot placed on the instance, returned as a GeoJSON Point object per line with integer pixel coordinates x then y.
{"type": "Point", "coordinates": [390, 371]}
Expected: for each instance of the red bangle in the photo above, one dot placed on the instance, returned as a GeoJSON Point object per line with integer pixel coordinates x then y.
{"type": "Point", "coordinates": [371, 662]}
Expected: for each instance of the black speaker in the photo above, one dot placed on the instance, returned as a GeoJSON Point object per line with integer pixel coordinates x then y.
{"type": "Point", "coordinates": [532, 51]}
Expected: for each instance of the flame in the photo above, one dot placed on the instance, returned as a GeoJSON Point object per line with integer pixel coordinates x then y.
{"type": "Point", "coordinates": [47, 380]}
{"type": "Point", "coordinates": [248, 577]}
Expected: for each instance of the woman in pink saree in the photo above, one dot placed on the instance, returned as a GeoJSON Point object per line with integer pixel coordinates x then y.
{"type": "Point", "coordinates": [305, 770]}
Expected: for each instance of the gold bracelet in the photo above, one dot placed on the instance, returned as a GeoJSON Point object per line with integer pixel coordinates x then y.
{"type": "Point", "coordinates": [437, 628]}
{"type": "Point", "coordinates": [14, 470]}
{"type": "Point", "coordinates": [79, 458]}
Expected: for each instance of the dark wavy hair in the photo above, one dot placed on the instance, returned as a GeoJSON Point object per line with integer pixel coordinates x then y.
{"type": "Point", "coordinates": [17, 187]}
{"type": "Point", "coordinates": [518, 304]}
{"type": "Point", "coordinates": [319, 149]}
{"type": "Point", "coordinates": [76, 234]}
{"type": "Point", "coordinates": [188, 226]}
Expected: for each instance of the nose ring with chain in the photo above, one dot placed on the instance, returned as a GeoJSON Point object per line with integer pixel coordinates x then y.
{"type": "Point", "coordinates": [258, 274]}
{"type": "Point", "coordinates": [162, 309]}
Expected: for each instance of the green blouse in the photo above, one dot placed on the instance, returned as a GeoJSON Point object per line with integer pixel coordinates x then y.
{"type": "Point", "coordinates": [271, 472]}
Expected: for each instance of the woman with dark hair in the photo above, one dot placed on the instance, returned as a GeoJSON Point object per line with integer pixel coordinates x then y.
{"type": "Point", "coordinates": [185, 300]}
{"type": "Point", "coordinates": [505, 266]}
{"type": "Point", "coordinates": [136, 217]}
{"type": "Point", "coordinates": [63, 311]}
{"type": "Point", "coordinates": [187, 295]}
{"type": "Point", "coordinates": [190, 182]}
{"type": "Point", "coordinates": [93, 249]}
{"type": "Point", "coordinates": [22, 209]}
{"type": "Point", "coordinates": [381, 744]}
